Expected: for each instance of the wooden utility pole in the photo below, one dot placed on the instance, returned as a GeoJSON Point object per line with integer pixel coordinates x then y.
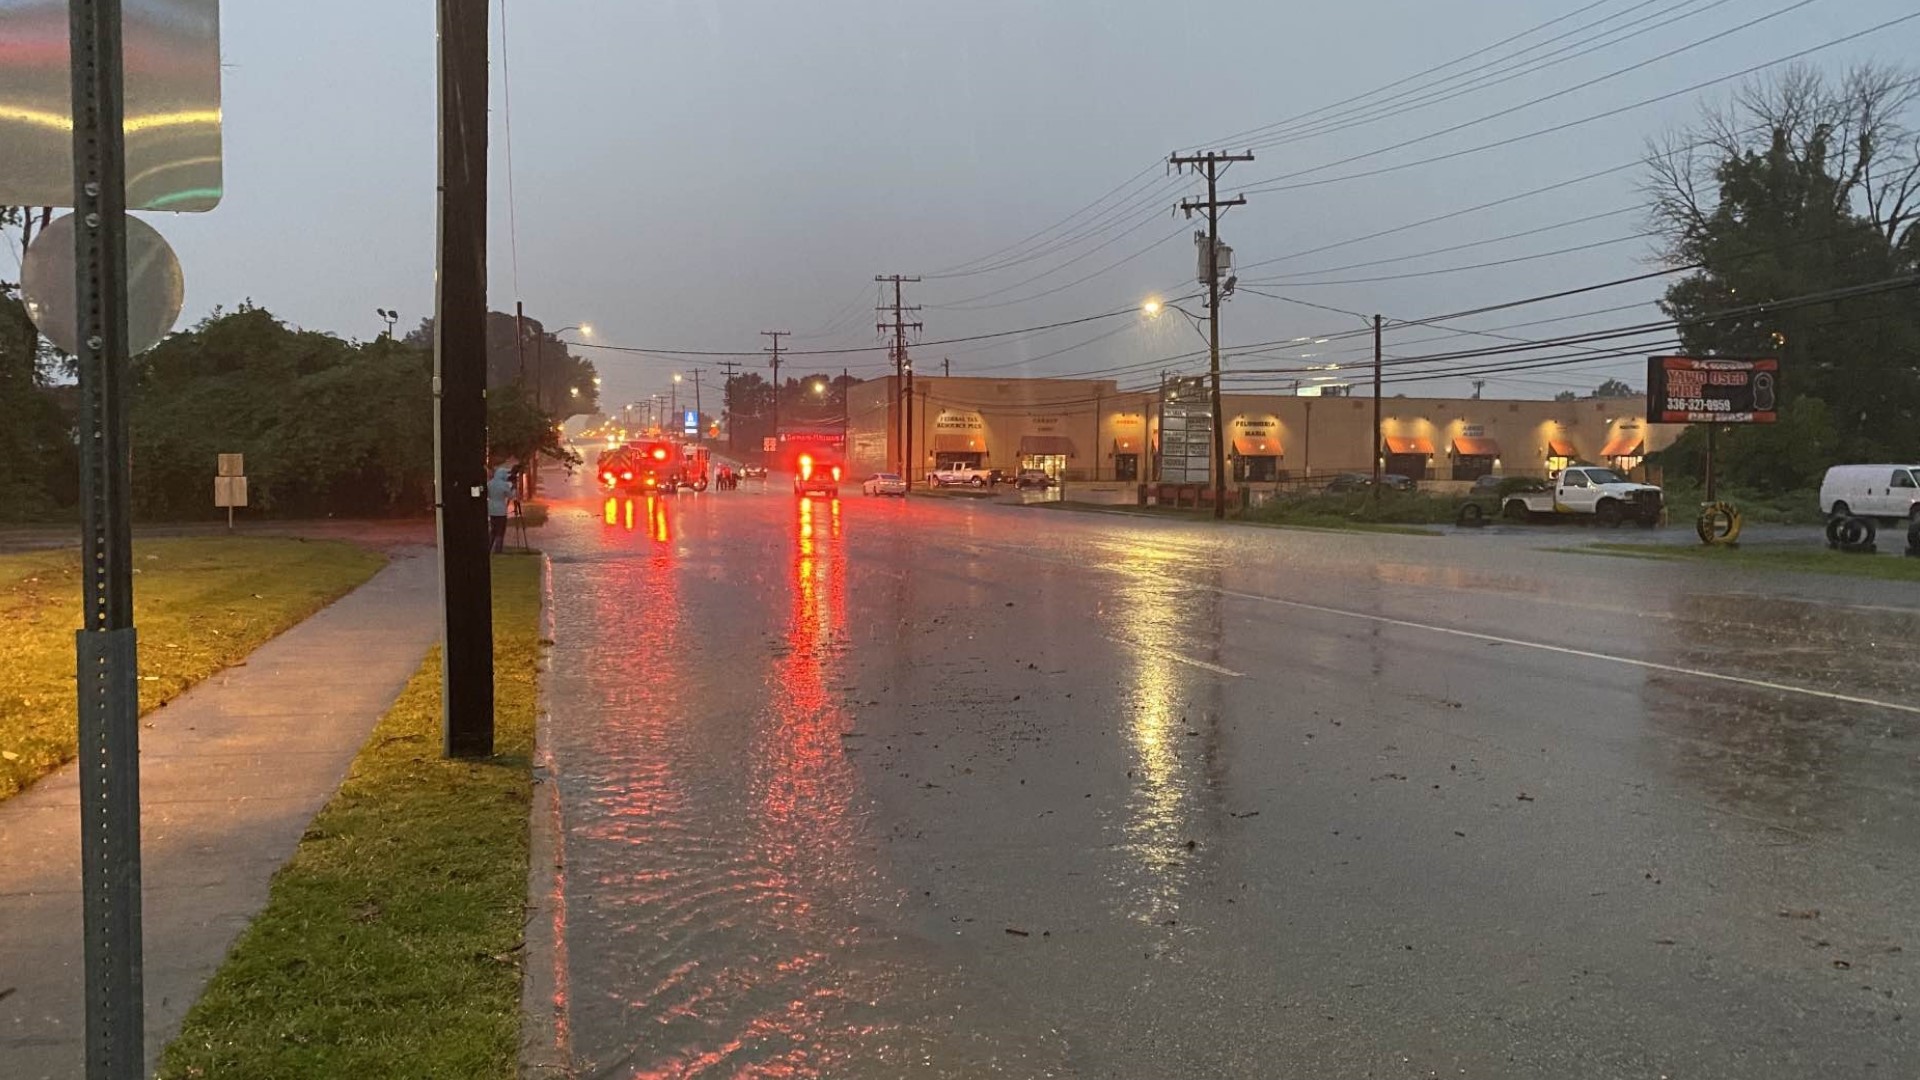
{"type": "Point", "coordinates": [699, 413]}
{"type": "Point", "coordinates": [730, 367]}
{"type": "Point", "coordinates": [1379, 436]}
{"type": "Point", "coordinates": [460, 370]}
{"type": "Point", "coordinates": [775, 336]}
{"type": "Point", "coordinates": [1211, 164]}
{"type": "Point", "coordinates": [902, 368]}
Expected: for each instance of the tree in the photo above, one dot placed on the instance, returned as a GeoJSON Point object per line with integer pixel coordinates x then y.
{"type": "Point", "coordinates": [1613, 388]}
{"type": "Point", "coordinates": [1799, 187]}
{"type": "Point", "coordinates": [1566, 395]}
{"type": "Point", "coordinates": [544, 361]}
{"type": "Point", "coordinates": [516, 429]}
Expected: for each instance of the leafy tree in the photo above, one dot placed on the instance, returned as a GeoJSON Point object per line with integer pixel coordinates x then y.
{"type": "Point", "coordinates": [1613, 388]}
{"type": "Point", "coordinates": [516, 429]}
{"type": "Point", "coordinates": [1800, 187]}
{"type": "Point", "coordinates": [544, 361]}
{"type": "Point", "coordinates": [1566, 395]}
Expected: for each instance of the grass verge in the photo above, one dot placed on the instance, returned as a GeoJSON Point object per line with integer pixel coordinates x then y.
{"type": "Point", "coordinates": [1879, 567]}
{"type": "Point", "coordinates": [390, 945]}
{"type": "Point", "coordinates": [200, 605]}
{"type": "Point", "coordinates": [1309, 522]}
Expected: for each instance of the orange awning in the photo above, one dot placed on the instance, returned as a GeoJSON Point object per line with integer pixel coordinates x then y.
{"type": "Point", "coordinates": [947, 442]}
{"type": "Point", "coordinates": [1561, 448]}
{"type": "Point", "coordinates": [1475, 446]}
{"type": "Point", "coordinates": [1625, 444]}
{"type": "Point", "coordinates": [1409, 444]}
{"type": "Point", "coordinates": [1256, 446]}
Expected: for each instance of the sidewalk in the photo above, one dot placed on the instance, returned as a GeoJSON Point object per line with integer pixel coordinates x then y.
{"type": "Point", "coordinates": [231, 773]}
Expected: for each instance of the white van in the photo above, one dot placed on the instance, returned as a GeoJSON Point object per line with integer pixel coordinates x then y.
{"type": "Point", "coordinates": [1875, 491]}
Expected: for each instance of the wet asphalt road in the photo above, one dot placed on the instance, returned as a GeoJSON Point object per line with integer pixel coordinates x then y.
{"type": "Point", "coordinates": [885, 789]}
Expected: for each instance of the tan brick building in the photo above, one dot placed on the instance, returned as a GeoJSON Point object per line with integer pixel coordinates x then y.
{"type": "Point", "coordinates": [1082, 429]}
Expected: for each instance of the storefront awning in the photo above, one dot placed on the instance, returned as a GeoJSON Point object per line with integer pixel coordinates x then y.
{"type": "Point", "coordinates": [1046, 446]}
{"type": "Point", "coordinates": [1475, 446]}
{"type": "Point", "coordinates": [1256, 446]}
{"type": "Point", "coordinates": [1561, 448]}
{"type": "Point", "coordinates": [1625, 444]}
{"type": "Point", "coordinates": [1409, 444]}
{"type": "Point", "coordinates": [947, 442]}
{"type": "Point", "coordinates": [1128, 444]}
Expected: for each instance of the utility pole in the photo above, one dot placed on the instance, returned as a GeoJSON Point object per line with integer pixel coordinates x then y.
{"type": "Point", "coordinates": [776, 335]}
{"type": "Point", "coordinates": [1379, 436]}
{"type": "Point", "coordinates": [730, 367]}
{"type": "Point", "coordinates": [1478, 385]}
{"type": "Point", "coordinates": [106, 655]}
{"type": "Point", "coordinates": [1211, 164]}
{"type": "Point", "coordinates": [460, 370]}
{"type": "Point", "coordinates": [902, 367]}
{"type": "Point", "coordinates": [846, 413]}
{"type": "Point", "coordinates": [520, 336]}
{"type": "Point", "coordinates": [699, 413]}
{"type": "Point", "coordinates": [946, 367]}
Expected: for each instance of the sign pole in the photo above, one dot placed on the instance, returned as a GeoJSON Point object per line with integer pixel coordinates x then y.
{"type": "Point", "coordinates": [105, 646]}
{"type": "Point", "coordinates": [1713, 453]}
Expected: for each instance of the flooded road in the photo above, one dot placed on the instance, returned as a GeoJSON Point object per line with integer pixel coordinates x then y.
{"type": "Point", "coordinates": [876, 789]}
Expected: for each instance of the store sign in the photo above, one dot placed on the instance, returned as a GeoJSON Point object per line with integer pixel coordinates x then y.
{"type": "Point", "coordinates": [1044, 425]}
{"type": "Point", "coordinates": [959, 423]}
{"type": "Point", "coordinates": [1712, 390]}
{"type": "Point", "coordinates": [1473, 431]}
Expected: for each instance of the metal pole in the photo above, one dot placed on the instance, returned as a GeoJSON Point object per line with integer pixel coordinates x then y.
{"type": "Point", "coordinates": [846, 415]}
{"type": "Point", "coordinates": [1159, 447]}
{"type": "Point", "coordinates": [1379, 436]}
{"type": "Point", "coordinates": [460, 378]}
{"type": "Point", "coordinates": [104, 647]}
{"type": "Point", "coordinates": [1713, 447]}
{"type": "Point", "coordinates": [699, 412]}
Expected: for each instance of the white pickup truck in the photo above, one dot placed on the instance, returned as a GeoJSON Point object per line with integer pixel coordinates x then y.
{"type": "Point", "coordinates": [958, 476]}
{"type": "Point", "coordinates": [1589, 489]}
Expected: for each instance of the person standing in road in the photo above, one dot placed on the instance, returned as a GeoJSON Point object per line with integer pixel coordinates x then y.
{"type": "Point", "coordinates": [499, 498]}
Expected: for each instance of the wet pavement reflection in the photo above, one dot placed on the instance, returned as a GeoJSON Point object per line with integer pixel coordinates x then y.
{"type": "Point", "coordinates": [870, 788]}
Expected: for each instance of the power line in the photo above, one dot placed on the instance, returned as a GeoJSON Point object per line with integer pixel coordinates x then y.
{"type": "Point", "coordinates": [1409, 102]}
{"type": "Point", "coordinates": [1272, 183]}
{"type": "Point", "coordinates": [506, 106]}
{"type": "Point", "coordinates": [1454, 247]}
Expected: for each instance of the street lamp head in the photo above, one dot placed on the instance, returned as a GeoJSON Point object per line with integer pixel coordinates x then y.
{"type": "Point", "coordinates": [586, 329]}
{"type": "Point", "coordinates": [819, 387]}
{"type": "Point", "coordinates": [1151, 308]}
{"type": "Point", "coordinates": [676, 376]}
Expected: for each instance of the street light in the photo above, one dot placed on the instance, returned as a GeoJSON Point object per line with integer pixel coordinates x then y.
{"type": "Point", "coordinates": [1152, 309]}
{"type": "Point", "coordinates": [391, 316]}
{"type": "Point", "coordinates": [819, 387]}
{"type": "Point", "coordinates": [586, 330]}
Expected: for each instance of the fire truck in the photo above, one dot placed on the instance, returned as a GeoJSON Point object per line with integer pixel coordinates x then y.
{"type": "Point", "coordinates": [648, 465]}
{"type": "Point", "coordinates": [817, 471]}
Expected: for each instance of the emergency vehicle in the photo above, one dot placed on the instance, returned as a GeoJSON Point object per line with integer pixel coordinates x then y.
{"type": "Point", "coordinates": [817, 471]}
{"type": "Point", "coordinates": [656, 465]}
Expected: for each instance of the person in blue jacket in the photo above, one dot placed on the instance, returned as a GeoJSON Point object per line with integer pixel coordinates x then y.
{"type": "Point", "coordinates": [499, 497]}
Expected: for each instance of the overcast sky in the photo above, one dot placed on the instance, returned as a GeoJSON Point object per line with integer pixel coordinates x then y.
{"type": "Point", "coordinates": [689, 173]}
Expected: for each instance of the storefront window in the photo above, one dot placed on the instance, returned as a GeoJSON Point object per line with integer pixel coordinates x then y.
{"type": "Point", "coordinates": [1051, 464]}
{"type": "Point", "coordinates": [1126, 466]}
{"type": "Point", "coordinates": [1258, 469]}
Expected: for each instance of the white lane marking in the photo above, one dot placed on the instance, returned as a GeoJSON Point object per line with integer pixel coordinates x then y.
{"type": "Point", "coordinates": [1585, 654]}
{"type": "Point", "coordinates": [1169, 654]}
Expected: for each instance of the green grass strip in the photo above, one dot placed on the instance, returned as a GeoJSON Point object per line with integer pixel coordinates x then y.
{"type": "Point", "coordinates": [200, 605]}
{"type": "Point", "coordinates": [1820, 561]}
{"type": "Point", "coordinates": [390, 946]}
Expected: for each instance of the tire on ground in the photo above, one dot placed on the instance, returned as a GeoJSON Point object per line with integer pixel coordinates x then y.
{"type": "Point", "coordinates": [1471, 516]}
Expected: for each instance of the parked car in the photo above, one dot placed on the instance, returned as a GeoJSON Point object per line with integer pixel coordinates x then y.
{"type": "Point", "coordinates": [1348, 482]}
{"type": "Point", "coordinates": [1396, 482]}
{"type": "Point", "coordinates": [753, 472]}
{"type": "Point", "coordinates": [1486, 485]}
{"type": "Point", "coordinates": [1875, 491]}
{"type": "Point", "coordinates": [884, 483]}
{"type": "Point", "coordinates": [1032, 478]}
{"type": "Point", "coordinates": [999, 476]}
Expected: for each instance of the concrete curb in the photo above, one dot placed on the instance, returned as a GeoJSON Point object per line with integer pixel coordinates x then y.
{"type": "Point", "coordinates": [546, 1048]}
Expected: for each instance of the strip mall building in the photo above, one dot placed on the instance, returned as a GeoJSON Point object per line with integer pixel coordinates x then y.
{"type": "Point", "coordinates": [1080, 429]}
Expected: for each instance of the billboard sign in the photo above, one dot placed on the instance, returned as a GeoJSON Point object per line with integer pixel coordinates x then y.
{"type": "Point", "coordinates": [691, 422]}
{"type": "Point", "coordinates": [1712, 390]}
